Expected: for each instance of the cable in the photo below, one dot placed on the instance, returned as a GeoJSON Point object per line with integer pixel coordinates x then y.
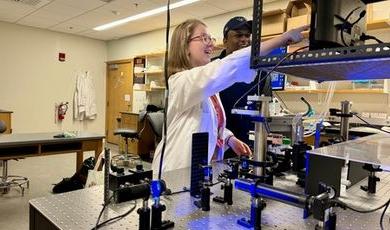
{"type": "Point", "coordinates": [366, 37]}
{"type": "Point", "coordinates": [344, 24]}
{"type": "Point", "coordinates": [117, 217]}
{"type": "Point", "coordinates": [216, 183]}
{"type": "Point", "coordinates": [167, 86]}
{"type": "Point", "coordinates": [268, 74]}
{"type": "Point", "coordinates": [168, 192]}
{"type": "Point", "coordinates": [383, 214]}
{"type": "Point", "coordinates": [385, 205]}
{"type": "Point", "coordinates": [101, 211]}
{"type": "Point", "coordinates": [344, 205]}
{"type": "Point", "coordinates": [355, 114]}
{"type": "Point", "coordinates": [309, 109]}
{"type": "Point", "coordinates": [283, 106]}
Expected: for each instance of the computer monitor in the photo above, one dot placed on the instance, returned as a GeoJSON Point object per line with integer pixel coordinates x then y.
{"type": "Point", "coordinates": [278, 80]}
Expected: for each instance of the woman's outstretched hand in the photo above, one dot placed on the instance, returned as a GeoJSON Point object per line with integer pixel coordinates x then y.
{"type": "Point", "coordinates": [295, 35]}
{"type": "Point", "coordinates": [239, 147]}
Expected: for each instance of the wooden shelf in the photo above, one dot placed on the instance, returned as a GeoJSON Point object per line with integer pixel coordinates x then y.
{"type": "Point", "coordinates": [374, 25]}
{"type": "Point", "coordinates": [338, 91]}
{"type": "Point", "coordinates": [150, 72]}
{"type": "Point", "coordinates": [157, 88]}
{"type": "Point", "coordinates": [150, 89]}
{"type": "Point", "coordinates": [380, 24]}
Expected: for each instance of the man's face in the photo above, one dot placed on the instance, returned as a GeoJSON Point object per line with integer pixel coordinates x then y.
{"type": "Point", "coordinates": [237, 39]}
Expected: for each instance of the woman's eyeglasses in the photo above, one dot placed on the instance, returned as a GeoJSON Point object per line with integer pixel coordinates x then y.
{"type": "Point", "coordinates": [205, 38]}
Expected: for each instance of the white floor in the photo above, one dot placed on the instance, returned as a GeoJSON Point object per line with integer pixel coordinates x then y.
{"type": "Point", "coordinates": [43, 172]}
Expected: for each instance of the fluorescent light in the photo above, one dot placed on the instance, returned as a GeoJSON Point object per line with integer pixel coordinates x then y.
{"type": "Point", "coordinates": [143, 15]}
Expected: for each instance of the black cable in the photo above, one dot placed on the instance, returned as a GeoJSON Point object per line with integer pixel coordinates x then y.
{"type": "Point", "coordinates": [268, 74]}
{"type": "Point", "coordinates": [117, 217]}
{"type": "Point", "coordinates": [101, 212]}
{"type": "Point", "coordinates": [361, 15]}
{"type": "Point", "coordinates": [167, 86]}
{"type": "Point", "coordinates": [344, 205]}
{"type": "Point", "coordinates": [342, 37]}
{"type": "Point", "coordinates": [355, 114]}
{"type": "Point", "coordinates": [366, 37]}
{"type": "Point", "coordinates": [308, 107]}
{"type": "Point", "coordinates": [383, 214]}
{"type": "Point", "coordinates": [169, 192]}
{"type": "Point", "coordinates": [216, 183]}
{"type": "Point", "coordinates": [350, 14]}
{"type": "Point", "coordinates": [345, 25]}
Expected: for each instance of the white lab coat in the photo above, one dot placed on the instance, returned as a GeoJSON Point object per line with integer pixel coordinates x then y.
{"type": "Point", "coordinates": [84, 101]}
{"type": "Point", "coordinates": [190, 109]}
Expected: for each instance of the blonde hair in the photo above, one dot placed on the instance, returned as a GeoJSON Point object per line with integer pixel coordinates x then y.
{"type": "Point", "coordinates": [178, 52]}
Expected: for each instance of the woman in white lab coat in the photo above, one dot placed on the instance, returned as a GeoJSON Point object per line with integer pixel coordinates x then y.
{"type": "Point", "coordinates": [194, 105]}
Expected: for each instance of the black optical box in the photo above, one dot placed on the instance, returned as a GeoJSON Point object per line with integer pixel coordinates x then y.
{"type": "Point", "coordinates": [130, 175]}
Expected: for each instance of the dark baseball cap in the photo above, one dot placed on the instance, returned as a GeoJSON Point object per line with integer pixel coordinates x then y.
{"type": "Point", "coordinates": [236, 23]}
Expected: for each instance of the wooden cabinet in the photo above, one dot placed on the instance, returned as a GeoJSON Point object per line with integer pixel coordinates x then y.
{"type": "Point", "coordinates": [6, 117]}
{"type": "Point", "coordinates": [145, 145]}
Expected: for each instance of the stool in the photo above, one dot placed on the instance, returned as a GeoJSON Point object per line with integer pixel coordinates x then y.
{"type": "Point", "coordinates": [9, 181]}
{"type": "Point", "coordinates": [127, 134]}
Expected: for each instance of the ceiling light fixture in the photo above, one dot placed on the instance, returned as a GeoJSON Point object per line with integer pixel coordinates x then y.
{"type": "Point", "coordinates": [143, 15]}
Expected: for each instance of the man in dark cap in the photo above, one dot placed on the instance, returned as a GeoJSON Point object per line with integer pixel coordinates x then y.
{"type": "Point", "coordinates": [236, 35]}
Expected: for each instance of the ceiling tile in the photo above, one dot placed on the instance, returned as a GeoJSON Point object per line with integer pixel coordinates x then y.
{"type": "Point", "coordinates": [57, 11]}
{"type": "Point", "coordinates": [93, 18]}
{"type": "Point", "coordinates": [101, 35]}
{"type": "Point", "coordinates": [82, 4]}
{"type": "Point", "coordinates": [13, 11]}
{"type": "Point", "coordinates": [130, 6]}
{"type": "Point", "coordinates": [201, 10]}
{"type": "Point", "coordinates": [67, 27]}
{"type": "Point", "coordinates": [164, 2]}
{"type": "Point", "coordinates": [230, 5]}
{"type": "Point", "coordinates": [84, 15]}
{"type": "Point", "coordinates": [40, 22]}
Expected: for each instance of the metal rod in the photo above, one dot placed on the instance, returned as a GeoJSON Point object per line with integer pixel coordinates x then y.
{"type": "Point", "coordinates": [106, 175]}
{"type": "Point", "coordinates": [344, 123]}
{"type": "Point", "coordinates": [5, 171]}
{"type": "Point", "coordinates": [256, 33]}
{"type": "Point", "coordinates": [266, 191]}
{"type": "Point", "coordinates": [299, 132]}
{"type": "Point", "coordinates": [260, 145]}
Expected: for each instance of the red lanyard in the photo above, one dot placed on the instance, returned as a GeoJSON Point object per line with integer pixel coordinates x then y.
{"type": "Point", "coordinates": [220, 119]}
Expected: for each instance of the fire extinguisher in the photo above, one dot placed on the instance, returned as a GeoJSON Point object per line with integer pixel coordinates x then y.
{"type": "Point", "coordinates": [61, 110]}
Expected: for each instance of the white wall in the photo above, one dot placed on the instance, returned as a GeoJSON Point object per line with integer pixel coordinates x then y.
{"type": "Point", "coordinates": [32, 79]}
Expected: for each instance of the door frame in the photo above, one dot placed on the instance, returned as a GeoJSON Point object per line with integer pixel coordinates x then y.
{"type": "Point", "coordinates": [108, 63]}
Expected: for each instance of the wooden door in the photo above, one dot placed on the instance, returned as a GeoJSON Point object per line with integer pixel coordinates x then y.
{"type": "Point", "coordinates": [119, 95]}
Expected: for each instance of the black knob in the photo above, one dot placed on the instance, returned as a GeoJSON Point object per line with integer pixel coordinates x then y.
{"type": "Point", "coordinates": [139, 167]}
{"type": "Point", "coordinates": [120, 170]}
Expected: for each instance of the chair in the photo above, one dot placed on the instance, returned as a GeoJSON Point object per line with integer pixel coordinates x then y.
{"type": "Point", "coordinates": [9, 181]}
{"type": "Point", "coordinates": [156, 121]}
{"type": "Point", "coordinates": [127, 134]}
